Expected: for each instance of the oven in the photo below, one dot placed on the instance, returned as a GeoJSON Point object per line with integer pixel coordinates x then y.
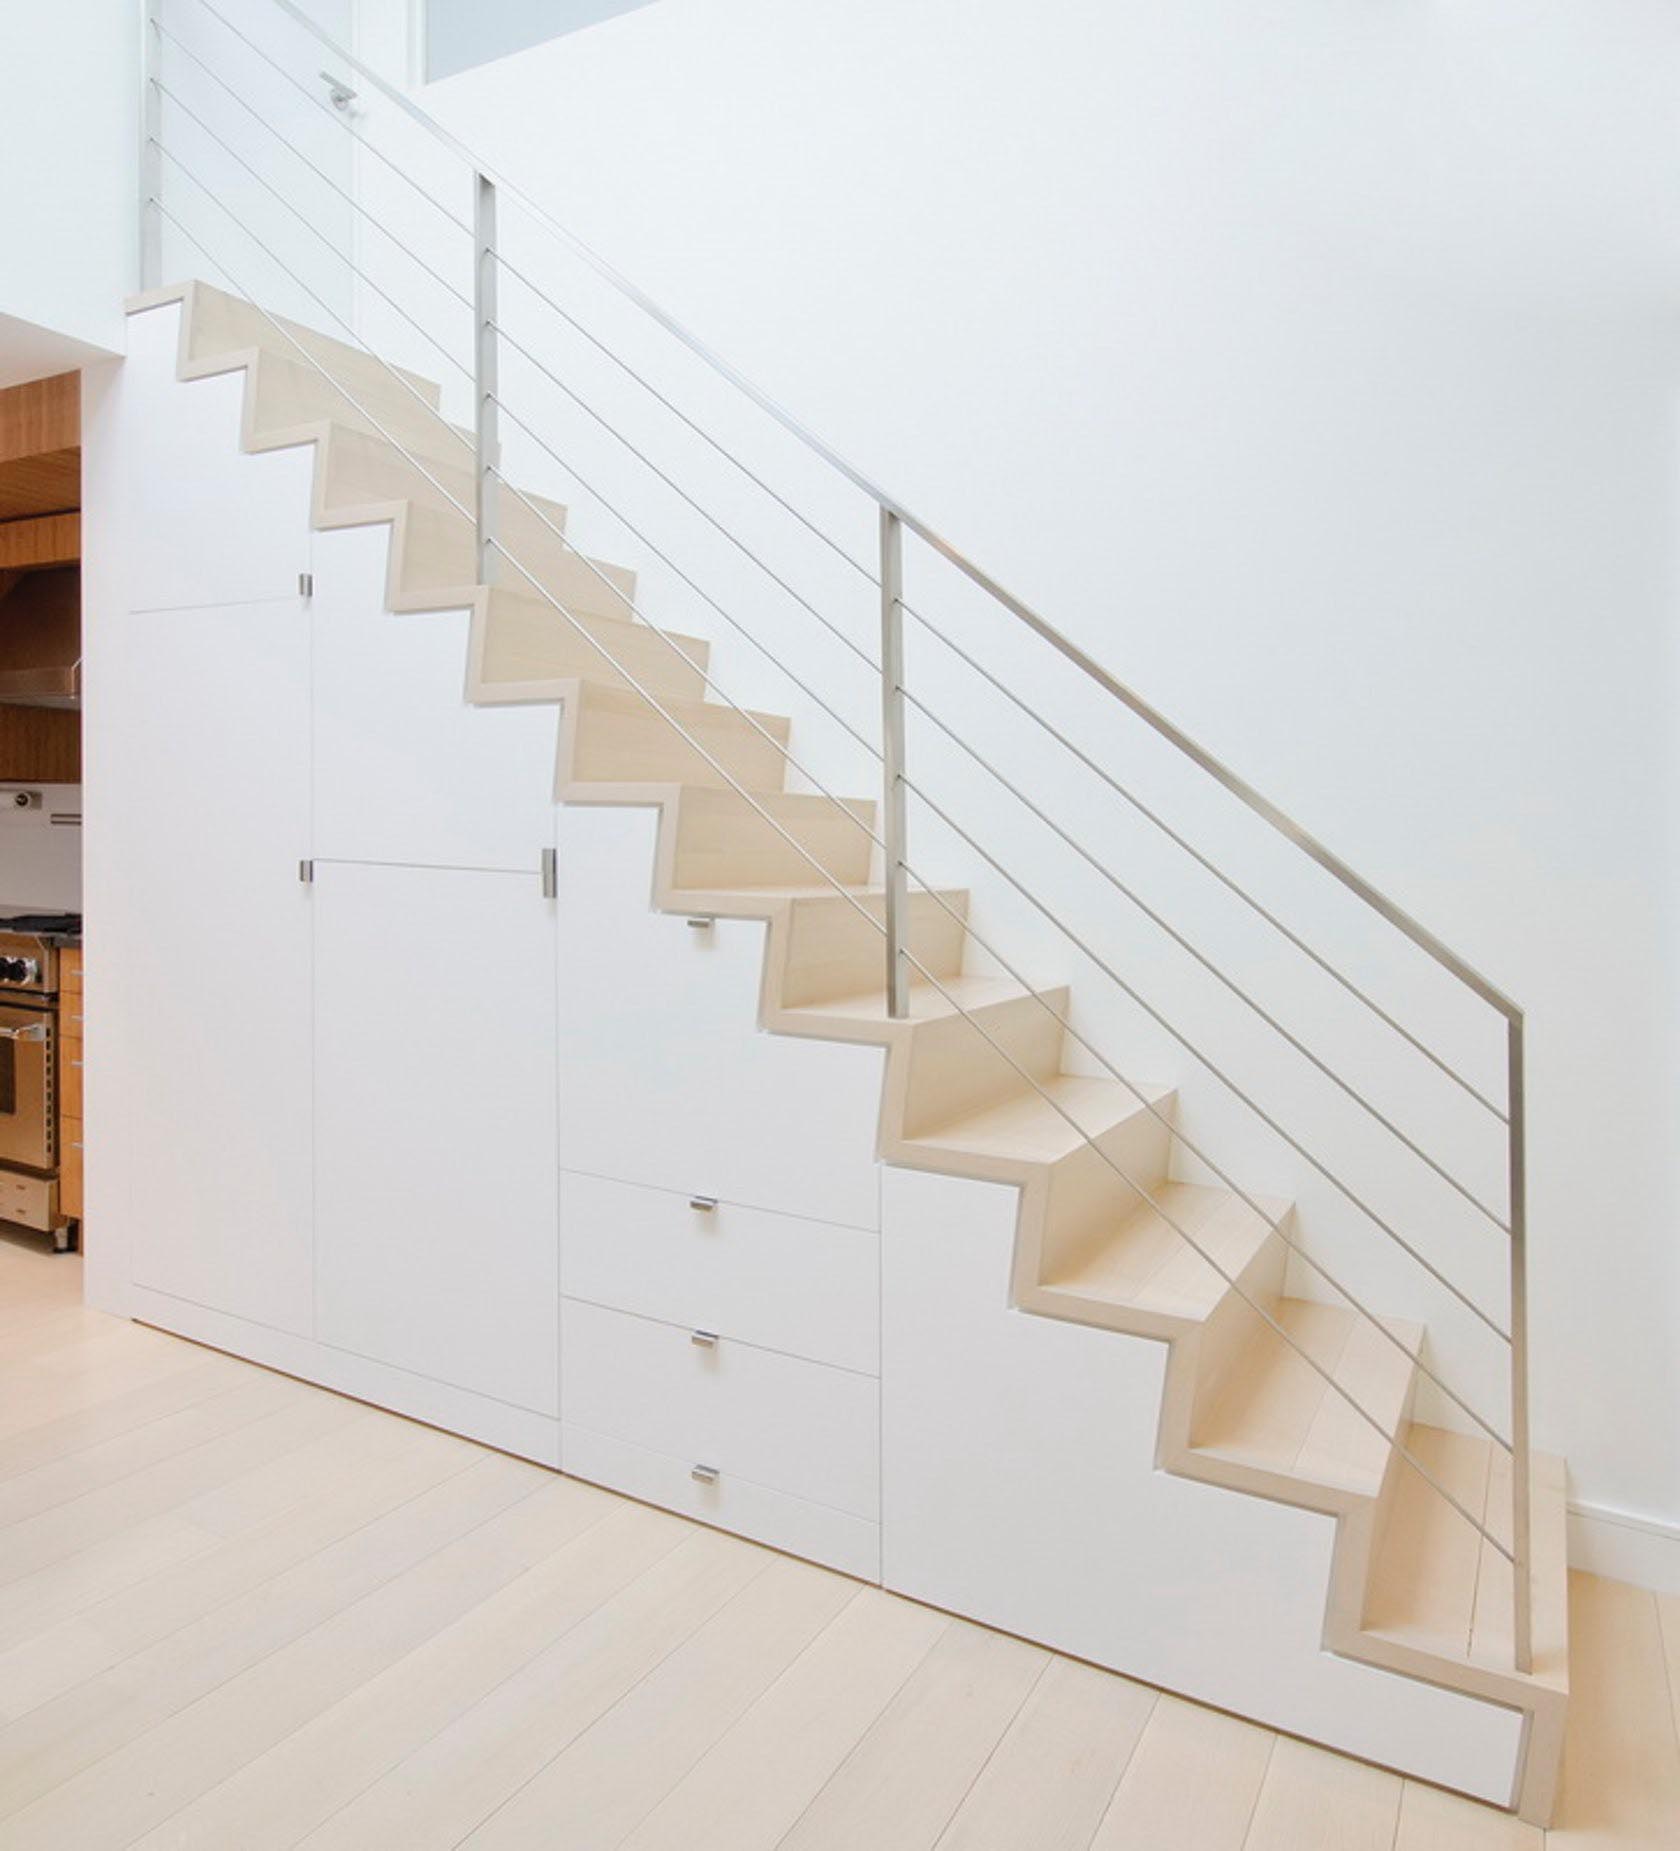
{"type": "Point", "coordinates": [28, 1102]}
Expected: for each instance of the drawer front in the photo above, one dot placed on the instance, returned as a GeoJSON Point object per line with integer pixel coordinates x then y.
{"type": "Point", "coordinates": [809, 1288]}
{"type": "Point", "coordinates": [28, 1201]}
{"type": "Point", "coordinates": [70, 1168]}
{"type": "Point", "coordinates": [818, 1532]}
{"type": "Point", "coordinates": [70, 972]}
{"type": "Point", "coordinates": [802, 1428]}
{"type": "Point", "coordinates": [69, 1079]}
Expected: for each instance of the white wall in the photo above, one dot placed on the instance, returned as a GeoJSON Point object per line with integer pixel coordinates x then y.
{"type": "Point", "coordinates": [68, 141]}
{"type": "Point", "coordinates": [1314, 367]}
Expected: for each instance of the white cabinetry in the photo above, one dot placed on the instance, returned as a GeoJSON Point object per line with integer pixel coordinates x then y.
{"type": "Point", "coordinates": [436, 1237]}
{"type": "Point", "coordinates": [665, 1077]}
{"type": "Point", "coordinates": [784, 1450]}
{"type": "Point", "coordinates": [200, 951]}
{"type": "Point", "coordinates": [809, 1288]}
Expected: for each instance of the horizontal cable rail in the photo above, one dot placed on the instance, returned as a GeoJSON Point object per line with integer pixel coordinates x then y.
{"type": "Point", "coordinates": [1138, 1092]}
{"type": "Point", "coordinates": [890, 838]}
{"type": "Point", "coordinates": [536, 289]}
{"type": "Point", "coordinates": [857, 905]}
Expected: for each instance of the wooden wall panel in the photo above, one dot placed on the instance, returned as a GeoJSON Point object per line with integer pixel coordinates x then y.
{"type": "Point", "coordinates": [44, 415]}
{"type": "Point", "coordinates": [40, 745]}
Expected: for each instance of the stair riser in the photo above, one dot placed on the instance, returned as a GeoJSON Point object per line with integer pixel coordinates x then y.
{"type": "Point", "coordinates": [955, 1067]}
{"type": "Point", "coordinates": [629, 742]}
{"type": "Point", "coordinates": [726, 844]}
{"type": "Point", "coordinates": [524, 644]}
{"type": "Point", "coordinates": [437, 560]}
{"type": "Point", "coordinates": [833, 951]}
{"type": "Point", "coordinates": [219, 325]}
{"type": "Point", "coordinates": [357, 467]}
{"type": "Point", "coordinates": [283, 395]}
{"type": "Point", "coordinates": [1232, 1323]}
{"type": "Point", "coordinates": [1088, 1190]}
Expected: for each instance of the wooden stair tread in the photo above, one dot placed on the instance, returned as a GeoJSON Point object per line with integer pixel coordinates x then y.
{"type": "Point", "coordinates": [927, 1001]}
{"type": "Point", "coordinates": [1276, 1414]}
{"type": "Point", "coordinates": [1032, 1128]}
{"type": "Point", "coordinates": [1440, 1590]}
{"type": "Point", "coordinates": [1146, 1264]}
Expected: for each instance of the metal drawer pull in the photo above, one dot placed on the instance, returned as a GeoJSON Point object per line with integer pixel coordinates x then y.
{"type": "Point", "coordinates": [699, 923]}
{"type": "Point", "coordinates": [703, 1474]}
{"type": "Point", "coordinates": [703, 1339]}
{"type": "Point", "coordinates": [76, 1063]}
{"type": "Point", "coordinates": [702, 1204]}
{"type": "Point", "coordinates": [35, 1032]}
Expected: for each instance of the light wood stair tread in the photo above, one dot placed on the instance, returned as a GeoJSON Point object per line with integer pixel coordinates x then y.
{"type": "Point", "coordinates": [1146, 1263]}
{"type": "Point", "coordinates": [927, 1002]}
{"type": "Point", "coordinates": [1035, 1128]}
{"type": "Point", "coordinates": [1278, 1415]}
{"type": "Point", "coordinates": [1441, 1590]}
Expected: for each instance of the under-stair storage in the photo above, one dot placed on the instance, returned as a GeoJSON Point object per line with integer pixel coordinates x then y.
{"type": "Point", "coordinates": [805, 1288]}
{"type": "Point", "coordinates": [889, 1260]}
{"type": "Point", "coordinates": [801, 1439]}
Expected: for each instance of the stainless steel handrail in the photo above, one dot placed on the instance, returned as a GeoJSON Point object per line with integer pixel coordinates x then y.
{"type": "Point", "coordinates": [899, 957]}
{"type": "Point", "coordinates": [895, 519]}
{"type": "Point", "coordinates": [1239, 787]}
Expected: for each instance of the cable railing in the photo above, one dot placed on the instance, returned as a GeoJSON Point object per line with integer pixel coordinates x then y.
{"type": "Point", "coordinates": [499, 563]}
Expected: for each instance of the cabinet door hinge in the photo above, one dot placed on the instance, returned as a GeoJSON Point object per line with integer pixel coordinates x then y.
{"type": "Point", "coordinates": [550, 874]}
{"type": "Point", "coordinates": [306, 584]}
{"type": "Point", "coordinates": [306, 873]}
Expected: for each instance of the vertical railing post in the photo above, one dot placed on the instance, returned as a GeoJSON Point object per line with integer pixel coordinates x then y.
{"type": "Point", "coordinates": [150, 254]}
{"type": "Point", "coordinates": [1522, 1567]}
{"type": "Point", "coordinates": [486, 383]}
{"type": "Point", "coordinates": [892, 763]}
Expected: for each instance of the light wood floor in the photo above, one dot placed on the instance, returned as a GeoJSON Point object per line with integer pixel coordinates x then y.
{"type": "Point", "coordinates": [237, 1612]}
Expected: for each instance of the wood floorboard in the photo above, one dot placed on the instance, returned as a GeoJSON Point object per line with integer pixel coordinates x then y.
{"type": "Point", "coordinates": [240, 1614]}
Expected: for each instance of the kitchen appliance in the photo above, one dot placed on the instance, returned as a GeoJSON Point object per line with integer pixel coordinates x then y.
{"type": "Point", "coordinates": [29, 1071]}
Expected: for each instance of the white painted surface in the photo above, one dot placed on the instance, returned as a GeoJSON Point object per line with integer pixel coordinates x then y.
{"type": "Point", "coordinates": [1018, 1485]}
{"type": "Point", "coordinates": [436, 1169]}
{"type": "Point", "coordinates": [665, 1078]}
{"type": "Point", "coordinates": [404, 769]}
{"type": "Point", "coordinates": [68, 137]}
{"type": "Point", "coordinates": [1624, 1547]}
{"type": "Point", "coordinates": [40, 860]}
{"type": "Point", "coordinates": [816, 1531]}
{"type": "Point", "coordinates": [784, 1282]}
{"type": "Point", "coordinates": [195, 530]}
{"type": "Point", "coordinates": [201, 954]}
{"type": "Point", "coordinates": [802, 1428]}
{"type": "Point", "coordinates": [1314, 374]}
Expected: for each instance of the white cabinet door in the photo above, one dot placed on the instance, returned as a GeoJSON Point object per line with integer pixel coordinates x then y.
{"type": "Point", "coordinates": [405, 769]}
{"type": "Point", "coordinates": [199, 942]}
{"type": "Point", "coordinates": [667, 1078]}
{"type": "Point", "coordinates": [436, 1178]}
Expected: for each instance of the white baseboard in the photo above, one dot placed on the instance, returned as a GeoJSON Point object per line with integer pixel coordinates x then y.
{"type": "Point", "coordinates": [1625, 1547]}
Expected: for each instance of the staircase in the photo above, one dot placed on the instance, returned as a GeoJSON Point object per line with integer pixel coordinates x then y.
{"type": "Point", "coordinates": [1266, 1394]}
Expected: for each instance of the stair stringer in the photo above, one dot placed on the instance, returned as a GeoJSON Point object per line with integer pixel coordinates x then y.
{"type": "Point", "coordinates": [1356, 1517]}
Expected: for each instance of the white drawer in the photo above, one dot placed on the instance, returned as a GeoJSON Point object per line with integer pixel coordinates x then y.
{"type": "Point", "coordinates": [809, 1288]}
{"type": "Point", "coordinates": [802, 1428]}
{"type": "Point", "coordinates": [818, 1532]}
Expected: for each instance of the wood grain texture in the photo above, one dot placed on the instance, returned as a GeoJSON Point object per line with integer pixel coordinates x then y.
{"type": "Point", "coordinates": [384, 1636]}
{"type": "Point", "coordinates": [38, 542]}
{"type": "Point", "coordinates": [43, 414]}
{"type": "Point", "coordinates": [40, 745]}
{"type": "Point", "coordinates": [1621, 1757]}
{"type": "Point", "coordinates": [1193, 1781]}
